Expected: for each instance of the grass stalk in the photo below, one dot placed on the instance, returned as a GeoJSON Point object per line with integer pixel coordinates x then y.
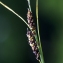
{"type": "Point", "coordinates": [14, 13]}
{"type": "Point", "coordinates": [40, 47]}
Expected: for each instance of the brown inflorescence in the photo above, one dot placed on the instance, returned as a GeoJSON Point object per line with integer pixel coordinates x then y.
{"type": "Point", "coordinates": [31, 33]}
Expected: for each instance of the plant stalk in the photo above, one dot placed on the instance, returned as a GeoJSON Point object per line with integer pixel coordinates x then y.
{"type": "Point", "coordinates": [14, 12]}
{"type": "Point", "coordinates": [40, 47]}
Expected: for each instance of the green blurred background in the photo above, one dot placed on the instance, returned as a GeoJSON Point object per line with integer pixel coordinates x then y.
{"type": "Point", "coordinates": [14, 47]}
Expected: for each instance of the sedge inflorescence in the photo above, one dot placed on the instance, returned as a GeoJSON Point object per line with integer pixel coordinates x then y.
{"type": "Point", "coordinates": [31, 33]}
{"type": "Point", "coordinates": [33, 38]}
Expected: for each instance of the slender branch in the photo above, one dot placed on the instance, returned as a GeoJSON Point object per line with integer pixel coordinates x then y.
{"type": "Point", "coordinates": [14, 13]}
{"type": "Point", "coordinates": [40, 47]}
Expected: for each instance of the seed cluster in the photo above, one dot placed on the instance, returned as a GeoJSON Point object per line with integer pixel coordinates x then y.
{"type": "Point", "coordinates": [30, 35]}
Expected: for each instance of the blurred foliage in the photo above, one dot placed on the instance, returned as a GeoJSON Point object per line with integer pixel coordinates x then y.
{"type": "Point", "coordinates": [51, 22]}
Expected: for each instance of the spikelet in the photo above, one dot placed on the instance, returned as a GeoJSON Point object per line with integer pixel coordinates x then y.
{"type": "Point", "coordinates": [30, 35]}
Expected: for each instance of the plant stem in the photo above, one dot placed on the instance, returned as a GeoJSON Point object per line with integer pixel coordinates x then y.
{"type": "Point", "coordinates": [40, 47]}
{"type": "Point", "coordinates": [14, 13]}
{"type": "Point", "coordinates": [29, 5]}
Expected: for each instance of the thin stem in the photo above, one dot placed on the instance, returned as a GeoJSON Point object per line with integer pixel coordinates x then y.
{"type": "Point", "coordinates": [40, 47]}
{"type": "Point", "coordinates": [29, 5]}
{"type": "Point", "coordinates": [14, 13]}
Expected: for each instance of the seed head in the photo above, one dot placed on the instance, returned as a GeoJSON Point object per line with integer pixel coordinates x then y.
{"type": "Point", "coordinates": [30, 35]}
